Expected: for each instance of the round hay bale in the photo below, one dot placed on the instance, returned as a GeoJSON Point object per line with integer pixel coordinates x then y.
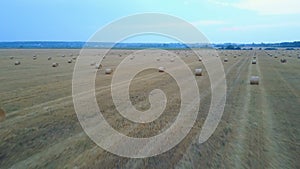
{"type": "Point", "coordinates": [2, 115]}
{"type": "Point", "coordinates": [298, 57]}
{"type": "Point", "coordinates": [283, 60]}
{"type": "Point", "coordinates": [226, 60]}
{"type": "Point", "coordinates": [70, 61]}
{"type": "Point", "coordinates": [98, 66]}
{"type": "Point", "coordinates": [254, 80]}
{"type": "Point", "coordinates": [17, 62]}
{"type": "Point", "coordinates": [198, 72]}
{"type": "Point", "coordinates": [234, 56]}
{"type": "Point", "coordinates": [172, 60]}
{"type": "Point", "coordinates": [93, 64]}
{"type": "Point", "coordinates": [54, 64]}
{"type": "Point", "coordinates": [161, 69]}
{"type": "Point", "coordinates": [11, 57]}
{"type": "Point", "coordinates": [34, 57]}
{"type": "Point", "coordinates": [275, 57]}
{"type": "Point", "coordinates": [63, 56]}
{"type": "Point", "coordinates": [132, 57]}
{"type": "Point", "coordinates": [49, 58]}
{"type": "Point", "coordinates": [200, 59]}
{"type": "Point", "coordinates": [254, 61]}
{"type": "Point", "coordinates": [157, 59]}
{"type": "Point", "coordinates": [74, 58]}
{"type": "Point", "coordinates": [108, 71]}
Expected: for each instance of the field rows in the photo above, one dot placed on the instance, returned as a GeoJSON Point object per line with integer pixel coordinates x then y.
{"type": "Point", "coordinates": [259, 127]}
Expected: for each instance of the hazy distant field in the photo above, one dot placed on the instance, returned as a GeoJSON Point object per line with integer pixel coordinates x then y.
{"type": "Point", "coordinates": [259, 128]}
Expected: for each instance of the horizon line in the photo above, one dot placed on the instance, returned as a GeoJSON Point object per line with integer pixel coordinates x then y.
{"type": "Point", "coordinates": [58, 41]}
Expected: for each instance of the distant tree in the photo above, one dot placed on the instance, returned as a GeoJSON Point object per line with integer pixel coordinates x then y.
{"type": "Point", "coordinates": [229, 47]}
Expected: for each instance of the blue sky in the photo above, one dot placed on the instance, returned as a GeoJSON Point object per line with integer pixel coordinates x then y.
{"type": "Point", "coordinates": [239, 21]}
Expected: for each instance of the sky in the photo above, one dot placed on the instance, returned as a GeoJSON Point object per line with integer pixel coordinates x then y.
{"type": "Point", "coordinates": [221, 21]}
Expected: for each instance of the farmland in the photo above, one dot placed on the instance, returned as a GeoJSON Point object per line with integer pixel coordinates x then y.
{"type": "Point", "coordinates": [259, 128]}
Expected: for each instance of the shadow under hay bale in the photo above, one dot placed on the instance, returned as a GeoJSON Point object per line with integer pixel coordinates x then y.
{"type": "Point", "coordinates": [54, 64]}
{"type": "Point", "coordinates": [161, 69]}
{"type": "Point", "coordinates": [17, 62]}
{"type": "Point", "coordinates": [254, 80]}
{"type": "Point", "coordinates": [49, 58]}
{"type": "Point", "coordinates": [108, 71]}
{"type": "Point", "coordinates": [2, 115]}
{"type": "Point", "coordinates": [198, 72]}
{"type": "Point", "coordinates": [11, 57]}
{"type": "Point", "coordinates": [98, 66]}
{"type": "Point", "coordinates": [283, 60]}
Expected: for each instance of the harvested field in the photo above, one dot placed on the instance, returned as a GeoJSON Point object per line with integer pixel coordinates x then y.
{"type": "Point", "coordinates": [259, 128]}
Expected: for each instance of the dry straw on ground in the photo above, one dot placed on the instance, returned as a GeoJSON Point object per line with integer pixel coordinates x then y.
{"type": "Point", "coordinates": [2, 115]}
